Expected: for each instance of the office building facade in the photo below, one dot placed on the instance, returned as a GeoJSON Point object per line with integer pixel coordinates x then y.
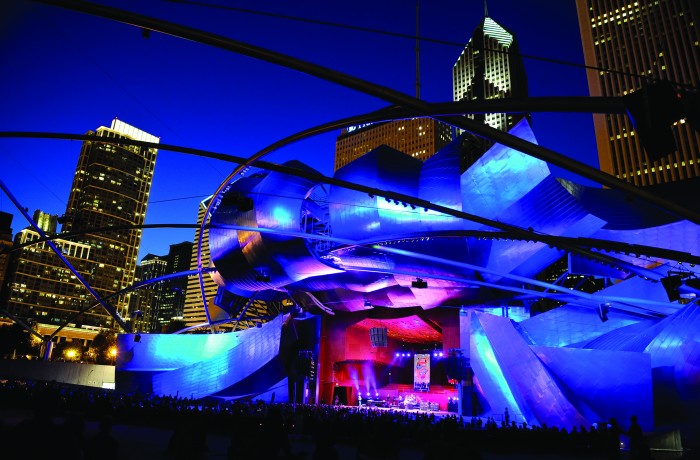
{"type": "Point", "coordinates": [417, 137]}
{"type": "Point", "coordinates": [40, 288]}
{"type": "Point", "coordinates": [110, 189]}
{"type": "Point", "coordinates": [172, 302]}
{"type": "Point", "coordinates": [146, 316]}
{"type": "Point", "coordinates": [490, 67]}
{"type": "Point", "coordinates": [632, 44]}
{"type": "Point", "coordinates": [193, 310]}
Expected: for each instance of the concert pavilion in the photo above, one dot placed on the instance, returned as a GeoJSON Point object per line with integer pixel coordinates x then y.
{"type": "Point", "coordinates": [433, 291]}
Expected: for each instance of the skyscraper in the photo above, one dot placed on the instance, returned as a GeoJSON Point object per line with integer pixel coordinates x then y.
{"type": "Point", "coordinates": [110, 189]}
{"type": "Point", "coordinates": [146, 317]}
{"type": "Point", "coordinates": [40, 288]}
{"type": "Point", "coordinates": [194, 307]}
{"type": "Point", "coordinates": [172, 303]}
{"type": "Point", "coordinates": [489, 67]}
{"type": "Point", "coordinates": [48, 223]}
{"type": "Point", "coordinates": [631, 44]}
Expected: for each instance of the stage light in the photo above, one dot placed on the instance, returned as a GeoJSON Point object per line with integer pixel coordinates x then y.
{"type": "Point", "coordinates": [603, 310]}
{"type": "Point", "coordinates": [398, 354]}
{"type": "Point", "coordinates": [419, 284]}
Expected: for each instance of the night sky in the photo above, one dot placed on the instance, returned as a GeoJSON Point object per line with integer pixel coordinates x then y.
{"type": "Point", "coordinates": [65, 71]}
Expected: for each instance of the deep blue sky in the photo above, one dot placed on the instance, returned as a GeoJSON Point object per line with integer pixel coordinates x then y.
{"type": "Point", "coordinates": [69, 72]}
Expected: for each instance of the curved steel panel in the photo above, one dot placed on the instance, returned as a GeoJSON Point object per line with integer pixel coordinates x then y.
{"type": "Point", "coordinates": [501, 177]}
{"type": "Point", "coordinates": [439, 183]}
{"type": "Point", "coordinates": [356, 215]}
{"type": "Point", "coordinates": [246, 259]}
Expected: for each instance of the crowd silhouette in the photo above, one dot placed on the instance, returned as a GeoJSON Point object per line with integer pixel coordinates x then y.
{"type": "Point", "coordinates": [260, 430]}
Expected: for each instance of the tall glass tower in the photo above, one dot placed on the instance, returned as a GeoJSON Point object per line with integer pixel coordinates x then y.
{"type": "Point", "coordinates": [110, 189]}
{"type": "Point", "coordinates": [490, 67]}
{"type": "Point", "coordinates": [633, 43]}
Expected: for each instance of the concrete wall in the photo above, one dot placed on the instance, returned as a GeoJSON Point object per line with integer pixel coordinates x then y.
{"type": "Point", "coordinates": [92, 375]}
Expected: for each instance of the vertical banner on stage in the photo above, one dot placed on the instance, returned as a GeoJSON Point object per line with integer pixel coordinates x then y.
{"type": "Point", "coordinates": [421, 372]}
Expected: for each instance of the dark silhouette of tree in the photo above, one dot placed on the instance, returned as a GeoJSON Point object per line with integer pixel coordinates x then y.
{"type": "Point", "coordinates": [101, 347]}
{"type": "Point", "coordinates": [14, 340]}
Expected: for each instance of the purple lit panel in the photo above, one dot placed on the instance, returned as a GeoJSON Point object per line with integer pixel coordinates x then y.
{"type": "Point", "coordinates": [356, 215]}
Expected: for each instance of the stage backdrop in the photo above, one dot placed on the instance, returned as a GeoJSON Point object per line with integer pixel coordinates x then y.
{"type": "Point", "coordinates": [421, 372]}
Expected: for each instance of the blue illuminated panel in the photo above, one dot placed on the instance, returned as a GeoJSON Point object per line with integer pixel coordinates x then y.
{"type": "Point", "coordinates": [533, 390]}
{"type": "Point", "coordinates": [610, 383]}
{"type": "Point", "coordinates": [198, 365]}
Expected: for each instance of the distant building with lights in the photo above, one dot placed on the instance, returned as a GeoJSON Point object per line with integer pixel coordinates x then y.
{"type": "Point", "coordinates": [146, 311]}
{"type": "Point", "coordinates": [172, 301]}
{"type": "Point", "coordinates": [631, 44]}
{"type": "Point", "coordinates": [489, 67]}
{"type": "Point", "coordinates": [40, 288]}
{"type": "Point", "coordinates": [417, 137]}
{"type": "Point", "coordinates": [193, 310]}
{"type": "Point", "coordinates": [110, 189]}
{"type": "Point", "coordinates": [48, 223]}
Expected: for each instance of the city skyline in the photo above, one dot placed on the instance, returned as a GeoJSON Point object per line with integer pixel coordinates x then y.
{"type": "Point", "coordinates": [193, 95]}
